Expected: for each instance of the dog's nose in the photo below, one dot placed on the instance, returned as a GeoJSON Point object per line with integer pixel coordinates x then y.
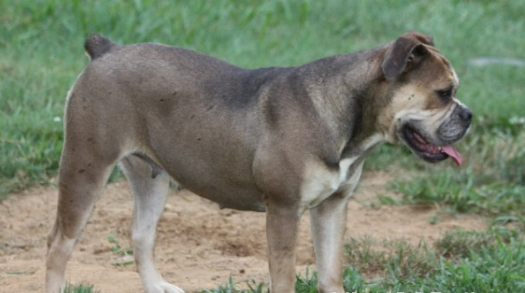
{"type": "Point", "coordinates": [466, 115]}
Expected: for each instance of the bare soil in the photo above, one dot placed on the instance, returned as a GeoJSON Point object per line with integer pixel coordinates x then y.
{"type": "Point", "coordinates": [199, 246]}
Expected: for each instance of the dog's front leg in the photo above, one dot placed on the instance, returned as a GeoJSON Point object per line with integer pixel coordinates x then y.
{"type": "Point", "coordinates": [328, 224]}
{"type": "Point", "coordinates": [282, 223]}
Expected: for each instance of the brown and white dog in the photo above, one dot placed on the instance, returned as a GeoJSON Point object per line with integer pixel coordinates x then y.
{"type": "Point", "coordinates": [280, 140]}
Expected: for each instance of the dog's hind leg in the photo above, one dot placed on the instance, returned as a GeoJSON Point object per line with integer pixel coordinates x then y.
{"type": "Point", "coordinates": [82, 176]}
{"type": "Point", "coordinates": [150, 188]}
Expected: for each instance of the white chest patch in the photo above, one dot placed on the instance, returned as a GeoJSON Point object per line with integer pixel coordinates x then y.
{"type": "Point", "coordinates": [320, 182]}
{"type": "Point", "coordinates": [344, 167]}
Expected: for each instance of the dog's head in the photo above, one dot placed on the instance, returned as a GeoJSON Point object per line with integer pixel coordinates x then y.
{"type": "Point", "coordinates": [422, 110]}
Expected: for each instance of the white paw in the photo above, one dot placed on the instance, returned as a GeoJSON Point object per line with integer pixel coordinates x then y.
{"type": "Point", "coordinates": [164, 287]}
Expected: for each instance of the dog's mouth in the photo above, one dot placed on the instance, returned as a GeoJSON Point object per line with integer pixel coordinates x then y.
{"type": "Point", "coordinates": [427, 151]}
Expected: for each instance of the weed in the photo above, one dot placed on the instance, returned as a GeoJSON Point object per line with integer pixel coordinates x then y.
{"type": "Point", "coordinates": [458, 244]}
{"type": "Point", "coordinates": [230, 287]}
{"type": "Point", "coordinates": [393, 257]}
{"type": "Point", "coordinates": [82, 288]}
{"type": "Point", "coordinates": [498, 268]}
{"type": "Point", "coordinates": [125, 255]}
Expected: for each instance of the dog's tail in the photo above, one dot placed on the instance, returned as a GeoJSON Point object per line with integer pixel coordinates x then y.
{"type": "Point", "coordinates": [96, 46]}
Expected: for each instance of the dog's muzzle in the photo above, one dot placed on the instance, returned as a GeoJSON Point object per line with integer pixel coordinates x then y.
{"type": "Point", "coordinates": [456, 127]}
{"type": "Point", "coordinates": [438, 147]}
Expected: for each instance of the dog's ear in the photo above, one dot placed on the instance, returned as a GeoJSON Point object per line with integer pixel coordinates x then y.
{"type": "Point", "coordinates": [404, 54]}
{"type": "Point", "coordinates": [427, 40]}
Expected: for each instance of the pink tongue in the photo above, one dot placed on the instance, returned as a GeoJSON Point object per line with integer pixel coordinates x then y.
{"type": "Point", "coordinates": [451, 151]}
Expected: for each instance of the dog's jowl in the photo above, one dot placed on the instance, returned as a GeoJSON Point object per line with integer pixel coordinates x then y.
{"type": "Point", "coordinates": [280, 140]}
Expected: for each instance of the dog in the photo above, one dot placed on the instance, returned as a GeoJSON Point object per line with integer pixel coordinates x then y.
{"type": "Point", "coordinates": [279, 140]}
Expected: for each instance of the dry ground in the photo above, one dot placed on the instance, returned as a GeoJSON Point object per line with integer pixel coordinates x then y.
{"type": "Point", "coordinates": [198, 245]}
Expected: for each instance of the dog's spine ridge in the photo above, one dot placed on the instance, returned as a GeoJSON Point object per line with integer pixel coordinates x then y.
{"type": "Point", "coordinates": [96, 46]}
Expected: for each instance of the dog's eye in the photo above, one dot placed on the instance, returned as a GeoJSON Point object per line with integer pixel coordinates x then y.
{"type": "Point", "coordinates": [445, 94]}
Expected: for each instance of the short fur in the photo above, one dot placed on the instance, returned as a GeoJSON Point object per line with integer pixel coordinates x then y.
{"type": "Point", "coordinates": [280, 140]}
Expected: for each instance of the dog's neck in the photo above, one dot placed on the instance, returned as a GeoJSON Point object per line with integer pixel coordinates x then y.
{"type": "Point", "coordinates": [352, 109]}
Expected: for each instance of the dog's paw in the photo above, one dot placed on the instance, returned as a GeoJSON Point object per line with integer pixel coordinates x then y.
{"type": "Point", "coordinates": [165, 287]}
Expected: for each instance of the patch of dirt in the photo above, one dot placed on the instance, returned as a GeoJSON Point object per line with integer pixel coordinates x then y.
{"type": "Point", "coordinates": [198, 245]}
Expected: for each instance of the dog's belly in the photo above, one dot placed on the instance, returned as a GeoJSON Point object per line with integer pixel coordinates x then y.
{"type": "Point", "coordinates": [234, 192]}
{"type": "Point", "coordinates": [213, 160]}
{"type": "Point", "coordinates": [239, 198]}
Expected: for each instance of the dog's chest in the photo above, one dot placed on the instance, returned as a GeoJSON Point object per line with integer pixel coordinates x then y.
{"type": "Point", "coordinates": [319, 182]}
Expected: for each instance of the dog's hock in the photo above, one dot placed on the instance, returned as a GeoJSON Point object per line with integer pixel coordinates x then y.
{"type": "Point", "coordinates": [406, 52]}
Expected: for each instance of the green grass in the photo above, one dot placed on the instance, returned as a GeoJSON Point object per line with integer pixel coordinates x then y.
{"type": "Point", "coordinates": [81, 288]}
{"type": "Point", "coordinates": [124, 255]}
{"type": "Point", "coordinates": [42, 54]}
{"type": "Point", "coordinates": [459, 244]}
{"type": "Point", "coordinates": [41, 44]}
{"type": "Point", "coordinates": [462, 261]}
{"type": "Point", "coordinates": [389, 257]}
{"type": "Point", "coordinates": [492, 182]}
